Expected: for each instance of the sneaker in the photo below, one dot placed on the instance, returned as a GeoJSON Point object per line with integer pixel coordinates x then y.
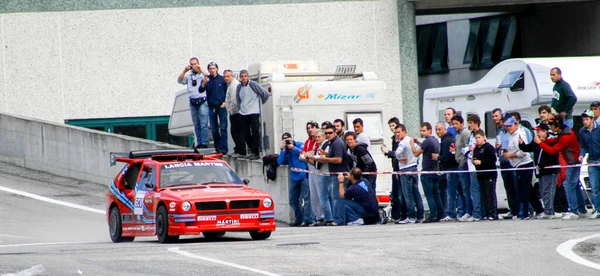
{"type": "Point", "coordinates": [252, 157]}
{"type": "Point", "coordinates": [356, 222]}
{"type": "Point", "coordinates": [594, 215]}
{"type": "Point", "coordinates": [525, 218]}
{"type": "Point", "coordinates": [464, 218]}
{"type": "Point", "coordinates": [508, 215]}
{"type": "Point", "coordinates": [471, 219]}
{"type": "Point", "coordinates": [419, 221]}
{"type": "Point", "coordinates": [542, 216]}
{"type": "Point", "coordinates": [316, 222]}
{"type": "Point", "coordinates": [558, 215]}
{"type": "Point", "coordinates": [332, 223]}
{"type": "Point", "coordinates": [492, 218]}
{"type": "Point", "coordinates": [447, 219]}
{"type": "Point", "coordinates": [322, 223]}
{"type": "Point", "coordinates": [305, 224]}
{"type": "Point", "coordinates": [570, 216]}
{"type": "Point", "coordinates": [295, 224]}
{"type": "Point", "coordinates": [237, 155]}
{"type": "Point", "coordinates": [406, 221]}
{"type": "Point", "coordinates": [486, 218]}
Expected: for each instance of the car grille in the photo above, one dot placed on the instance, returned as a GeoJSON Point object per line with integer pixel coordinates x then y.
{"type": "Point", "coordinates": [211, 205]}
{"type": "Point", "coordinates": [244, 204]}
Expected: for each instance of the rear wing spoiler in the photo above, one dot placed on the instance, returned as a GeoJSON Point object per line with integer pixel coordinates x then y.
{"type": "Point", "coordinates": [163, 154]}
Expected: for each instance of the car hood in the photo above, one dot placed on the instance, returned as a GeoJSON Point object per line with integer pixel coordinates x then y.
{"type": "Point", "coordinates": [213, 192]}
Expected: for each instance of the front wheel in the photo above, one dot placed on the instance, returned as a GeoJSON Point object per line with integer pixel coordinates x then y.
{"type": "Point", "coordinates": [162, 226]}
{"type": "Point", "coordinates": [259, 236]}
{"type": "Point", "coordinates": [115, 227]}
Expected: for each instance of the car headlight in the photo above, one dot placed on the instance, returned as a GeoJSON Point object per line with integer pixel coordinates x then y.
{"type": "Point", "coordinates": [186, 206]}
{"type": "Point", "coordinates": [267, 202]}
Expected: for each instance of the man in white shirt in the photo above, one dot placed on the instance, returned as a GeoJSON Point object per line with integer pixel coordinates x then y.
{"type": "Point", "coordinates": [361, 136]}
{"type": "Point", "coordinates": [409, 182]}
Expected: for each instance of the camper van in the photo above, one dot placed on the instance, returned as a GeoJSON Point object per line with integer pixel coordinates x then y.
{"type": "Point", "coordinates": [299, 94]}
{"type": "Point", "coordinates": [517, 85]}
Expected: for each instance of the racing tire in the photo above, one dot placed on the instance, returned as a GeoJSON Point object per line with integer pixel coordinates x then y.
{"type": "Point", "coordinates": [162, 226]}
{"type": "Point", "coordinates": [213, 235]}
{"type": "Point", "coordinates": [259, 236]}
{"type": "Point", "coordinates": [115, 227]}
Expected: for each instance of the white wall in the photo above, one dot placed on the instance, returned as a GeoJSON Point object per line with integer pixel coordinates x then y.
{"type": "Point", "coordinates": [124, 63]}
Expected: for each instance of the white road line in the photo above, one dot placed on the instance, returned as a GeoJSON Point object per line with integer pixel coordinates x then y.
{"type": "Point", "coordinates": [53, 201]}
{"type": "Point", "coordinates": [13, 236]}
{"type": "Point", "coordinates": [566, 249]}
{"type": "Point", "coordinates": [38, 244]}
{"type": "Point", "coordinates": [193, 256]}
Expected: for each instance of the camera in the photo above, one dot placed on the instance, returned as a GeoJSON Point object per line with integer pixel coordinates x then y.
{"type": "Point", "coordinates": [288, 142]}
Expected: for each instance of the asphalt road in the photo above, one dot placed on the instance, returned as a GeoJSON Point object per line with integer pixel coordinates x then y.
{"type": "Point", "coordinates": [41, 238]}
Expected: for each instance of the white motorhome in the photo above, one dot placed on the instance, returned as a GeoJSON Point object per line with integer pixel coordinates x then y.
{"type": "Point", "coordinates": [299, 94]}
{"type": "Point", "coordinates": [517, 85]}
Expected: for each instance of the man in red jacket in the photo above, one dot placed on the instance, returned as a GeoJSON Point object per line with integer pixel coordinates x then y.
{"type": "Point", "coordinates": [568, 145]}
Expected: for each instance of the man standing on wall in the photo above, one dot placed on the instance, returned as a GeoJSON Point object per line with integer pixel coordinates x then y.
{"type": "Point", "coordinates": [198, 105]}
{"type": "Point", "coordinates": [215, 87]}
{"type": "Point", "coordinates": [563, 98]}
{"type": "Point", "coordinates": [249, 93]}
{"type": "Point", "coordinates": [235, 118]}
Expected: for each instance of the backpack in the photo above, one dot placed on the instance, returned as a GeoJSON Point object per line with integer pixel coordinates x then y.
{"type": "Point", "coordinates": [270, 162]}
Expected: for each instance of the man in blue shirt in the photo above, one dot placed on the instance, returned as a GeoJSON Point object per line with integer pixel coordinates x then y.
{"type": "Point", "coordinates": [198, 105]}
{"type": "Point", "coordinates": [298, 190]}
{"type": "Point", "coordinates": [589, 141]}
{"type": "Point", "coordinates": [359, 199]}
{"type": "Point", "coordinates": [216, 88]}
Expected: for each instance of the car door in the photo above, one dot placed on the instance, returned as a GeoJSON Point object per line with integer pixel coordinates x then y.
{"type": "Point", "coordinates": [144, 200]}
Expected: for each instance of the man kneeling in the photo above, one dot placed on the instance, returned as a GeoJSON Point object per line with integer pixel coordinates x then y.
{"type": "Point", "coordinates": [360, 202]}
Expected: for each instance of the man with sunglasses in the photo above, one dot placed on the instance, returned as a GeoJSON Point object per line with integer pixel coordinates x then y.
{"type": "Point", "coordinates": [192, 76]}
{"type": "Point", "coordinates": [216, 88]}
{"type": "Point", "coordinates": [336, 164]}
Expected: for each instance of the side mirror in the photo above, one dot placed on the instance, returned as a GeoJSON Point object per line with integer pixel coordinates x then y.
{"type": "Point", "coordinates": [246, 181]}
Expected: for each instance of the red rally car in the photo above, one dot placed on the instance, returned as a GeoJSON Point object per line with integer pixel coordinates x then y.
{"type": "Point", "coordinates": [169, 193]}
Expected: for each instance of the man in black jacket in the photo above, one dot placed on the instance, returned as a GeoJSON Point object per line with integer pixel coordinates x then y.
{"type": "Point", "coordinates": [448, 163]}
{"type": "Point", "coordinates": [484, 159]}
{"type": "Point", "coordinates": [547, 177]}
{"type": "Point", "coordinates": [361, 158]}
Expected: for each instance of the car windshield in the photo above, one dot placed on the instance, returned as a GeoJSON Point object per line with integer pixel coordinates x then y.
{"type": "Point", "coordinates": [199, 172]}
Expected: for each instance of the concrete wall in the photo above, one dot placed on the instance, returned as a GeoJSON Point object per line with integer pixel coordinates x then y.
{"type": "Point", "coordinates": [102, 63]}
{"type": "Point", "coordinates": [83, 154]}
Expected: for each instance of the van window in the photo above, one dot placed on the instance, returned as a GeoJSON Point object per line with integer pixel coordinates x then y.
{"type": "Point", "coordinates": [490, 126]}
{"type": "Point", "coordinates": [514, 80]}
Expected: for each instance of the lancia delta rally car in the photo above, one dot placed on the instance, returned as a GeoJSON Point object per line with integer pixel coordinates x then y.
{"type": "Point", "coordinates": [169, 193]}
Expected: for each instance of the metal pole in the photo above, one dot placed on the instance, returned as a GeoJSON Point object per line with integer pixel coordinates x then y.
{"type": "Point", "coordinates": [260, 115]}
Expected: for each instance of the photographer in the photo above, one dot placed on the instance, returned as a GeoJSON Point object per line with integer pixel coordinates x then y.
{"type": "Point", "coordinates": [359, 199]}
{"type": "Point", "coordinates": [193, 76]}
{"type": "Point", "coordinates": [298, 189]}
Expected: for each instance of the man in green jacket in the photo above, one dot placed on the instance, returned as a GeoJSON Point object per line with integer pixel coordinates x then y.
{"type": "Point", "coordinates": [563, 98]}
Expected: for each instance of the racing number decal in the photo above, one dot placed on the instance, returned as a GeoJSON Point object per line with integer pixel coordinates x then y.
{"type": "Point", "coordinates": [139, 203]}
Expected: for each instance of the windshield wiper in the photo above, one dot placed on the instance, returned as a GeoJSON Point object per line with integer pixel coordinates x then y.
{"type": "Point", "coordinates": [214, 182]}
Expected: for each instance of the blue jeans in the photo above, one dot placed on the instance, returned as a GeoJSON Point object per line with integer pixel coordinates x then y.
{"type": "Point", "coordinates": [200, 120]}
{"type": "Point", "coordinates": [353, 210]}
{"type": "Point", "coordinates": [299, 191]}
{"type": "Point", "coordinates": [573, 192]}
{"type": "Point", "coordinates": [453, 182]}
{"type": "Point", "coordinates": [325, 197]}
{"type": "Point", "coordinates": [410, 191]}
{"type": "Point", "coordinates": [338, 206]}
{"type": "Point", "coordinates": [594, 173]}
{"type": "Point", "coordinates": [465, 184]}
{"type": "Point", "coordinates": [396, 199]}
{"type": "Point", "coordinates": [220, 139]}
{"type": "Point", "coordinates": [569, 123]}
{"type": "Point", "coordinates": [430, 184]}
{"type": "Point", "coordinates": [510, 186]}
{"type": "Point", "coordinates": [476, 195]}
